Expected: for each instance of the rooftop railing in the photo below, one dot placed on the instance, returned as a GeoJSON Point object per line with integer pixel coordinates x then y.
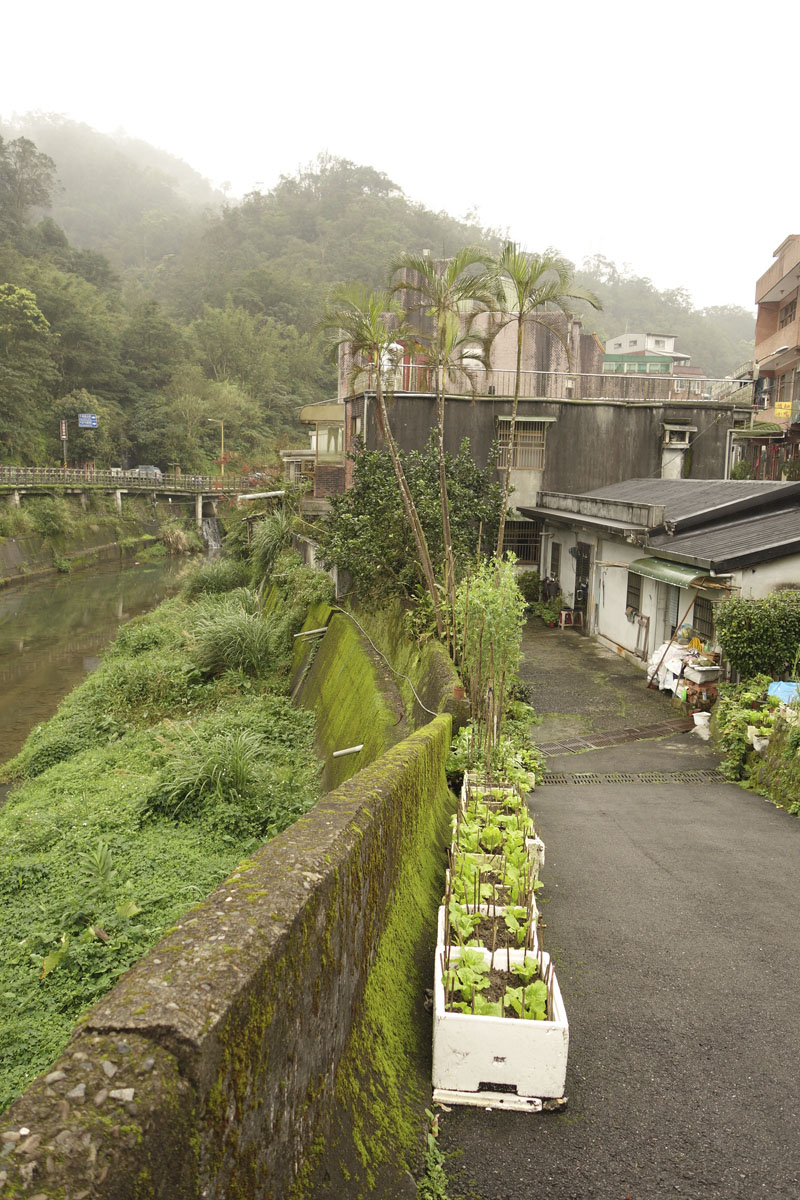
{"type": "Point", "coordinates": [558, 385]}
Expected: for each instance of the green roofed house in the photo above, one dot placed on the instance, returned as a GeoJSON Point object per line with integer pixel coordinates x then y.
{"type": "Point", "coordinates": [641, 558]}
{"type": "Point", "coordinates": [655, 354]}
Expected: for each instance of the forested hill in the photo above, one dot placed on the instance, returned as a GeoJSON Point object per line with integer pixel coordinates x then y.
{"type": "Point", "coordinates": [130, 289]}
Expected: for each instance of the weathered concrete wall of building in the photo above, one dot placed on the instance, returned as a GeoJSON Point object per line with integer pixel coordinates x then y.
{"type": "Point", "coordinates": [589, 444]}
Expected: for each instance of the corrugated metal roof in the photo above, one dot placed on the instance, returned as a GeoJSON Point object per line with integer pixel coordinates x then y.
{"type": "Point", "coordinates": [734, 542]}
{"type": "Point", "coordinates": [685, 499]}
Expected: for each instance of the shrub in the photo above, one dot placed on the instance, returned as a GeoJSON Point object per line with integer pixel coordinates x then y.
{"type": "Point", "coordinates": [760, 636]}
{"type": "Point", "coordinates": [233, 640]}
{"type": "Point", "coordinates": [216, 576]}
{"type": "Point", "coordinates": [529, 583]}
{"type": "Point", "coordinates": [50, 516]}
{"type": "Point", "coordinates": [271, 537]}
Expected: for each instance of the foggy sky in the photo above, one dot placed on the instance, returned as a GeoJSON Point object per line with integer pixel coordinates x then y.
{"type": "Point", "coordinates": [650, 136]}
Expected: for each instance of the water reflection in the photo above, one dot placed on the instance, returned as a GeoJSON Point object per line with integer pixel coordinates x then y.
{"type": "Point", "coordinates": [52, 632]}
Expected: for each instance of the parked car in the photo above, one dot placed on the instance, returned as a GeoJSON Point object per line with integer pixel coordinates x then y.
{"type": "Point", "coordinates": [146, 472]}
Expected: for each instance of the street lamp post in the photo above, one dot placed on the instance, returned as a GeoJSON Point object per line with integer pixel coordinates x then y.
{"type": "Point", "coordinates": [216, 421]}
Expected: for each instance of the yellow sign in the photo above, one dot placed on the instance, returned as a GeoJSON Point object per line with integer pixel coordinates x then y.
{"type": "Point", "coordinates": [783, 410]}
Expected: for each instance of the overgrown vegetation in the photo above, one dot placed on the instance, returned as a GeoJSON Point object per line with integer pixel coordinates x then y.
{"type": "Point", "coordinates": [367, 533]}
{"type": "Point", "coordinates": [760, 636]}
{"type": "Point", "coordinates": [738, 707]}
{"type": "Point", "coordinates": [176, 758]}
{"type": "Point", "coordinates": [771, 765]}
{"type": "Point", "coordinates": [142, 297]}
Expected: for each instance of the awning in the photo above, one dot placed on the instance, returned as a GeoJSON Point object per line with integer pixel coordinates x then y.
{"type": "Point", "coordinates": [762, 429]}
{"type": "Point", "coordinates": [678, 574]}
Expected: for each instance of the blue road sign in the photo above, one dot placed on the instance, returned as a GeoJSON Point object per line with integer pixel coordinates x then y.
{"type": "Point", "coordinates": [87, 420]}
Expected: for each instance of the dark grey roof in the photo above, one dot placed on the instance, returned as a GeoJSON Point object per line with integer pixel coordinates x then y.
{"type": "Point", "coordinates": [691, 502]}
{"type": "Point", "coordinates": [737, 543]}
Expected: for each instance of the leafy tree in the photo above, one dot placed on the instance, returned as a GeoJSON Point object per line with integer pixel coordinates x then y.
{"type": "Point", "coordinates": [27, 372]}
{"type": "Point", "coordinates": [106, 445]}
{"type": "Point", "coordinates": [438, 292]}
{"type": "Point", "coordinates": [26, 182]}
{"type": "Point", "coordinates": [372, 325]}
{"type": "Point", "coordinates": [368, 533]}
{"type": "Point", "coordinates": [532, 285]}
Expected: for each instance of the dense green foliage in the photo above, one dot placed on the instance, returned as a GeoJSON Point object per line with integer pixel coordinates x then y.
{"type": "Point", "coordinates": [738, 706]}
{"type": "Point", "coordinates": [367, 533]}
{"type": "Point", "coordinates": [173, 760]}
{"type": "Point", "coordinates": [132, 290]}
{"type": "Point", "coordinates": [760, 636]}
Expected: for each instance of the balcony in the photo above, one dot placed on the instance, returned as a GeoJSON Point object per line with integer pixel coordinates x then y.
{"type": "Point", "coordinates": [783, 276]}
{"type": "Point", "coordinates": [558, 385]}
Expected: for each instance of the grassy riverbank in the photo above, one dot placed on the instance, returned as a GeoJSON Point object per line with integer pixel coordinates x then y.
{"type": "Point", "coordinates": [174, 760]}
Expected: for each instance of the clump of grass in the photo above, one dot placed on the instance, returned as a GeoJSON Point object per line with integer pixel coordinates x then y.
{"type": "Point", "coordinates": [15, 522]}
{"type": "Point", "coordinates": [177, 541]}
{"type": "Point", "coordinates": [234, 640]}
{"type": "Point", "coordinates": [272, 536]}
{"type": "Point", "coordinates": [216, 576]}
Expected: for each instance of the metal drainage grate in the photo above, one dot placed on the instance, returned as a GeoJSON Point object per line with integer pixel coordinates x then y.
{"type": "Point", "coordinates": [566, 779]}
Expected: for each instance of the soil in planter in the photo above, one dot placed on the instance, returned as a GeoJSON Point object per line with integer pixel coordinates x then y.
{"type": "Point", "coordinates": [499, 981]}
{"type": "Point", "coordinates": [495, 927]}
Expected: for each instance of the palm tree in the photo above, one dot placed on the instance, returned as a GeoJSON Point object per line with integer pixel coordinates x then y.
{"type": "Point", "coordinates": [373, 325]}
{"type": "Point", "coordinates": [440, 291]}
{"type": "Point", "coordinates": [532, 285]}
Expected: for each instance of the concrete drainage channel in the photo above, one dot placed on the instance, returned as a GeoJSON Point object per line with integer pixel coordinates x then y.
{"type": "Point", "coordinates": [564, 778]}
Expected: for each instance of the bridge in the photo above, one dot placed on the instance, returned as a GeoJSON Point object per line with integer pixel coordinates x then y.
{"type": "Point", "coordinates": [205, 489]}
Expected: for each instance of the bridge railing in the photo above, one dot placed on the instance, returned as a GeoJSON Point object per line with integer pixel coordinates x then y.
{"type": "Point", "coordinates": [125, 480]}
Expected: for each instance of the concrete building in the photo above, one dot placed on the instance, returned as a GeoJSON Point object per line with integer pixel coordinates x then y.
{"type": "Point", "coordinates": [772, 448]}
{"type": "Point", "coordinates": [655, 354]}
{"type": "Point", "coordinates": [643, 557]}
{"type": "Point", "coordinates": [578, 427]}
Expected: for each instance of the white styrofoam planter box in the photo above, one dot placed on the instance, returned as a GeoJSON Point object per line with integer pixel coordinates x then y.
{"type": "Point", "coordinates": [486, 910]}
{"type": "Point", "coordinates": [701, 674]}
{"type": "Point", "coordinates": [472, 1055]}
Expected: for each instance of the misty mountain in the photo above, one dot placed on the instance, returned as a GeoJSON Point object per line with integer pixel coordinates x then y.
{"type": "Point", "coordinates": [114, 194]}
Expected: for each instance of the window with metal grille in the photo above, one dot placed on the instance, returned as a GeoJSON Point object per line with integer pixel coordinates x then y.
{"type": "Point", "coordinates": [522, 537]}
{"type": "Point", "coordinates": [555, 560]}
{"type": "Point", "coordinates": [703, 619]}
{"type": "Point", "coordinates": [633, 596]}
{"type": "Point", "coordinates": [528, 449]}
{"type": "Point", "coordinates": [787, 314]}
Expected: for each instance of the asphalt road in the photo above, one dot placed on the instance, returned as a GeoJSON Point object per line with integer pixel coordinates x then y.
{"type": "Point", "coordinates": [672, 912]}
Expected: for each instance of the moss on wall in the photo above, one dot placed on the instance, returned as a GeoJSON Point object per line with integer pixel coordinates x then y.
{"type": "Point", "coordinates": [776, 773]}
{"type": "Point", "coordinates": [383, 1080]}
{"type": "Point", "coordinates": [427, 666]}
{"type": "Point", "coordinates": [355, 702]}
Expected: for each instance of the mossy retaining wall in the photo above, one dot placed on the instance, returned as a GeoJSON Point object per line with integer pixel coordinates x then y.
{"type": "Point", "coordinates": [270, 1044]}
{"type": "Point", "coordinates": [274, 1043]}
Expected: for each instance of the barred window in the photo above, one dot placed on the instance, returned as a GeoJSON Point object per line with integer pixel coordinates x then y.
{"type": "Point", "coordinates": [528, 450]}
{"type": "Point", "coordinates": [633, 596]}
{"type": "Point", "coordinates": [555, 560]}
{"type": "Point", "coordinates": [703, 619]}
{"type": "Point", "coordinates": [522, 537]}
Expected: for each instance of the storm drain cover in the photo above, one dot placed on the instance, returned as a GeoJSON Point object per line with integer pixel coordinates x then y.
{"type": "Point", "coordinates": [571, 779]}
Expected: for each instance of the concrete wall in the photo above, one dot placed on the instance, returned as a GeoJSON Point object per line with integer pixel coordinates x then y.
{"type": "Point", "coordinates": [589, 444]}
{"type": "Point", "coordinates": [271, 1043]}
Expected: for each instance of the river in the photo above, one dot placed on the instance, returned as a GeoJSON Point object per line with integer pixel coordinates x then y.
{"type": "Point", "coordinates": [52, 633]}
